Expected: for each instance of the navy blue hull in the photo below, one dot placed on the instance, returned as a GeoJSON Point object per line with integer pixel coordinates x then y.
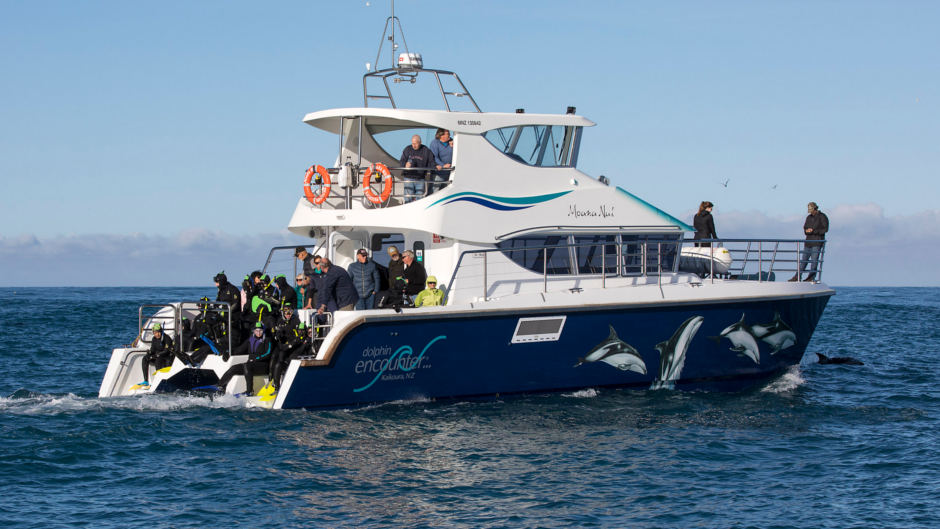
{"type": "Point", "coordinates": [471, 355]}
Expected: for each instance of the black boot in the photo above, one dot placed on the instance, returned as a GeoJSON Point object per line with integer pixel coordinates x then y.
{"type": "Point", "coordinates": [796, 277]}
{"type": "Point", "coordinates": [810, 277]}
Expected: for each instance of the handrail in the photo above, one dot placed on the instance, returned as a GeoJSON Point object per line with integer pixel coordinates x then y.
{"type": "Point", "coordinates": [756, 260]}
{"type": "Point", "coordinates": [178, 307]}
{"type": "Point", "coordinates": [340, 198]}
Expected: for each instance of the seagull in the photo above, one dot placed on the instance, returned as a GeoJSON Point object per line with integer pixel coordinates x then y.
{"type": "Point", "coordinates": [725, 183]}
{"type": "Point", "coordinates": [773, 186]}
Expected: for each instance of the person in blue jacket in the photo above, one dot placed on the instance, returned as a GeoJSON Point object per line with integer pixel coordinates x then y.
{"type": "Point", "coordinates": [442, 147]}
{"type": "Point", "coordinates": [337, 290]}
{"type": "Point", "coordinates": [365, 277]}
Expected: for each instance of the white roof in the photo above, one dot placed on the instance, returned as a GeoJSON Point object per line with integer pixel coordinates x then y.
{"type": "Point", "coordinates": [468, 122]}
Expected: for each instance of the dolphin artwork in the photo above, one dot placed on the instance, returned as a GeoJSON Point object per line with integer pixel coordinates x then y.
{"type": "Point", "coordinates": [672, 353]}
{"type": "Point", "coordinates": [742, 339]}
{"type": "Point", "coordinates": [777, 334]}
{"type": "Point", "coordinates": [617, 353]}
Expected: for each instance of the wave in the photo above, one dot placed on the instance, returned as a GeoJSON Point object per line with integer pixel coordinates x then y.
{"type": "Point", "coordinates": [787, 382]}
{"type": "Point", "coordinates": [588, 393]}
{"type": "Point", "coordinates": [25, 402]}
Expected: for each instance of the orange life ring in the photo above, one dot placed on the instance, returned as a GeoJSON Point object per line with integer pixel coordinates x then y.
{"type": "Point", "coordinates": [308, 192]}
{"type": "Point", "coordinates": [387, 183]}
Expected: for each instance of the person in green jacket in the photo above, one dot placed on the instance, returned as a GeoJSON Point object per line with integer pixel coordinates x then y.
{"type": "Point", "coordinates": [430, 296]}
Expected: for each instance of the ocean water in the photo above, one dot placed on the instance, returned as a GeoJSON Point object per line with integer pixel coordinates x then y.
{"type": "Point", "coordinates": [821, 446]}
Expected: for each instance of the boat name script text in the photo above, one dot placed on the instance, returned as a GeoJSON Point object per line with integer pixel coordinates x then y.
{"type": "Point", "coordinates": [602, 212]}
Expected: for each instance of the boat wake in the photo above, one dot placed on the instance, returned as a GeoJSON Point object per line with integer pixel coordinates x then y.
{"type": "Point", "coordinates": [787, 382]}
{"type": "Point", "coordinates": [588, 393]}
{"type": "Point", "coordinates": [26, 402]}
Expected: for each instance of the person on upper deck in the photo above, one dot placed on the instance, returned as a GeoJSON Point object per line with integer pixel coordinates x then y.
{"type": "Point", "coordinates": [338, 291]}
{"type": "Point", "coordinates": [443, 149]}
{"type": "Point", "coordinates": [416, 156]}
{"type": "Point", "coordinates": [414, 274]}
{"type": "Point", "coordinates": [815, 228]}
{"type": "Point", "coordinates": [704, 223]}
{"type": "Point", "coordinates": [365, 276]}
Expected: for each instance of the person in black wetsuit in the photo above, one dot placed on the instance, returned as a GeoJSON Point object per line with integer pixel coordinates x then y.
{"type": "Point", "coordinates": [286, 293]}
{"type": "Point", "coordinates": [228, 293]}
{"type": "Point", "coordinates": [161, 354]}
{"type": "Point", "coordinates": [295, 342]}
{"type": "Point", "coordinates": [258, 347]}
{"type": "Point", "coordinates": [269, 293]}
{"type": "Point", "coordinates": [286, 336]}
{"type": "Point", "coordinates": [704, 223]}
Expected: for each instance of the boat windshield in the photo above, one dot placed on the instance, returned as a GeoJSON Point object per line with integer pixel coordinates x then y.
{"type": "Point", "coordinates": [394, 140]}
{"type": "Point", "coordinates": [538, 145]}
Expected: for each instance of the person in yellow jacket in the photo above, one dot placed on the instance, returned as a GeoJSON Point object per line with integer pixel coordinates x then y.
{"type": "Point", "coordinates": [431, 295]}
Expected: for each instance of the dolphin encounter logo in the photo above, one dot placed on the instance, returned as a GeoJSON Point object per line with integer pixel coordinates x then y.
{"type": "Point", "coordinates": [402, 359]}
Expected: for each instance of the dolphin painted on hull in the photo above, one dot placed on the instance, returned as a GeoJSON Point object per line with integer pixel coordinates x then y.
{"type": "Point", "coordinates": [617, 353]}
{"type": "Point", "coordinates": [672, 353]}
{"type": "Point", "coordinates": [777, 334]}
{"type": "Point", "coordinates": [742, 340]}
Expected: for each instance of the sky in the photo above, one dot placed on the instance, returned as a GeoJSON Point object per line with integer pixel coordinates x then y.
{"type": "Point", "coordinates": [154, 143]}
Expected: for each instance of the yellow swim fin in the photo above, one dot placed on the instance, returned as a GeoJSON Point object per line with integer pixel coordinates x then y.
{"type": "Point", "coordinates": [164, 370]}
{"type": "Point", "coordinates": [267, 390]}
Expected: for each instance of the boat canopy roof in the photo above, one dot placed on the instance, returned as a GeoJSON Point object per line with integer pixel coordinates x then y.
{"type": "Point", "coordinates": [467, 122]}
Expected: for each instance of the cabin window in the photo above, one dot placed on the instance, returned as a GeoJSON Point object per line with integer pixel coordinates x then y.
{"type": "Point", "coordinates": [659, 250]}
{"type": "Point", "coordinates": [592, 254]}
{"type": "Point", "coordinates": [531, 253]}
{"type": "Point", "coordinates": [596, 253]}
{"type": "Point", "coordinates": [538, 145]}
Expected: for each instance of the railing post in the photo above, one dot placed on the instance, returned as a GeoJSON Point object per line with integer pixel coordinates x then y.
{"type": "Point", "coordinates": [484, 276]}
{"type": "Point", "coordinates": [544, 269]}
{"type": "Point", "coordinates": [711, 262]}
{"type": "Point", "coordinates": [643, 252]}
{"type": "Point", "coordinates": [799, 258]}
{"type": "Point", "coordinates": [603, 266]}
{"type": "Point", "coordinates": [659, 263]}
{"type": "Point", "coordinates": [760, 260]}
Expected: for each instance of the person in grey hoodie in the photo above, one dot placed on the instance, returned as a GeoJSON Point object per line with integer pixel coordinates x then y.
{"type": "Point", "coordinates": [365, 276]}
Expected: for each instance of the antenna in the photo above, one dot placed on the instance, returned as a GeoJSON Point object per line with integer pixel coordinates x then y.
{"type": "Point", "coordinates": [388, 34]}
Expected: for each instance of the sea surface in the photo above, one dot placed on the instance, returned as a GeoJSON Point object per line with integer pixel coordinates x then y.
{"type": "Point", "coordinates": [821, 446]}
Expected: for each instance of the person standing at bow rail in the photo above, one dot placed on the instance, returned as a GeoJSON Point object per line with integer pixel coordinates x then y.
{"type": "Point", "coordinates": [704, 223]}
{"type": "Point", "coordinates": [815, 228]}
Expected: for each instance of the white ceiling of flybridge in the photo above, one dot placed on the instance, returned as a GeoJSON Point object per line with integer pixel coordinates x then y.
{"type": "Point", "coordinates": [472, 122]}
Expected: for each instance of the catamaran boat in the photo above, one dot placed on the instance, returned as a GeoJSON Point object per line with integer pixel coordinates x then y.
{"type": "Point", "coordinates": [554, 279]}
